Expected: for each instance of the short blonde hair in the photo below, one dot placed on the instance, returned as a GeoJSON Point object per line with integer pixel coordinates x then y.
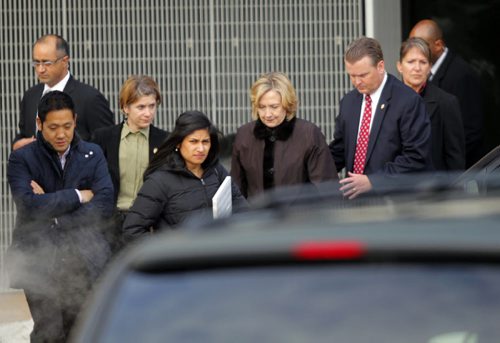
{"type": "Point", "coordinates": [279, 83]}
{"type": "Point", "coordinates": [137, 86]}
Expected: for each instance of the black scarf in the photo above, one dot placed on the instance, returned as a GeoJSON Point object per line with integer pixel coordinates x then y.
{"type": "Point", "coordinates": [281, 132]}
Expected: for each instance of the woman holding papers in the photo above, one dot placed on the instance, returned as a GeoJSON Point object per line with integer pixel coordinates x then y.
{"type": "Point", "coordinates": [278, 149]}
{"type": "Point", "coordinates": [181, 179]}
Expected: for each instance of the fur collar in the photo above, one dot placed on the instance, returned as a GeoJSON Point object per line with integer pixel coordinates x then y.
{"type": "Point", "coordinates": [281, 132]}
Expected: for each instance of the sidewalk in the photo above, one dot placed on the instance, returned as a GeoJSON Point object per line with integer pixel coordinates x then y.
{"type": "Point", "coordinates": [16, 323]}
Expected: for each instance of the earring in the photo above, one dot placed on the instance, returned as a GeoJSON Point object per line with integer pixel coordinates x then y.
{"type": "Point", "coordinates": [176, 149]}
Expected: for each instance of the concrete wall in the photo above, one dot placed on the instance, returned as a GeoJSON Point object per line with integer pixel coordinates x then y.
{"type": "Point", "coordinates": [383, 22]}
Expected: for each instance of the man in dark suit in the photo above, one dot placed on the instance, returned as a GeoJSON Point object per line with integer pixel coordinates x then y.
{"type": "Point", "coordinates": [382, 127]}
{"type": "Point", "coordinates": [452, 74]}
{"type": "Point", "coordinates": [51, 64]}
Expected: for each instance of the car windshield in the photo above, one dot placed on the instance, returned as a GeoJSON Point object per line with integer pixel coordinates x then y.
{"type": "Point", "coordinates": [409, 302]}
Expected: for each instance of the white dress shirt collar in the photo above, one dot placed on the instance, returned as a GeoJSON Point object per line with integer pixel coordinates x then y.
{"type": "Point", "coordinates": [58, 86]}
{"type": "Point", "coordinates": [376, 95]}
{"type": "Point", "coordinates": [438, 63]}
{"type": "Point", "coordinates": [375, 98]}
{"type": "Point", "coordinates": [62, 158]}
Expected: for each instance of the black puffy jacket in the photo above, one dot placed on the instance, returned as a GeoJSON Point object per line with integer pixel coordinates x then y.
{"type": "Point", "coordinates": [171, 194]}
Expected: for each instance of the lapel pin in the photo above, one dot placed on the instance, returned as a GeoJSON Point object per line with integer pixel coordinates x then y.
{"type": "Point", "coordinates": [382, 106]}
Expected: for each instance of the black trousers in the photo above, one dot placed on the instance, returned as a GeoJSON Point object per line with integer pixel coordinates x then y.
{"type": "Point", "coordinates": [56, 301]}
{"type": "Point", "coordinates": [53, 316]}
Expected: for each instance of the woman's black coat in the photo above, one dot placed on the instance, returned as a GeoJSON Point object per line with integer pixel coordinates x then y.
{"type": "Point", "coordinates": [171, 194]}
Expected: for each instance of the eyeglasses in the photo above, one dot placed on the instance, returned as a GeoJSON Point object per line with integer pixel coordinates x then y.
{"type": "Point", "coordinates": [46, 64]}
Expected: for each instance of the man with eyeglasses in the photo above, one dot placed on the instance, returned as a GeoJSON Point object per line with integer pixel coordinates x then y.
{"type": "Point", "coordinates": [51, 63]}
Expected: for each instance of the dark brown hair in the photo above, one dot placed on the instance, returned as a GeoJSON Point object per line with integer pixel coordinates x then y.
{"type": "Point", "coordinates": [363, 47]}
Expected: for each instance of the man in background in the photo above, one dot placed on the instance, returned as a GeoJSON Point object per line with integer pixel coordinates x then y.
{"type": "Point", "coordinates": [451, 73]}
{"type": "Point", "coordinates": [51, 63]}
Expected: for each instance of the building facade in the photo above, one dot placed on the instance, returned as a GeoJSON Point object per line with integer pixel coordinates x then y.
{"type": "Point", "coordinates": [204, 55]}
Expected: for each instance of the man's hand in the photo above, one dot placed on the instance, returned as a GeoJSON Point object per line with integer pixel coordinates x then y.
{"type": "Point", "coordinates": [354, 185]}
{"type": "Point", "coordinates": [22, 142]}
{"type": "Point", "coordinates": [87, 195]}
{"type": "Point", "coordinates": [37, 189]}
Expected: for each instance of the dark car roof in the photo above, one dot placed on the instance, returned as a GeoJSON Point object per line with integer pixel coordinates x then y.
{"type": "Point", "coordinates": [409, 229]}
{"type": "Point", "coordinates": [431, 229]}
{"type": "Point", "coordinates": [459, 225]}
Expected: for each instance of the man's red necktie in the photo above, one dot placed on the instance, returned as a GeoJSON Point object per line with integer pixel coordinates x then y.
{"type": "Point", "coordinates": [363, 138]}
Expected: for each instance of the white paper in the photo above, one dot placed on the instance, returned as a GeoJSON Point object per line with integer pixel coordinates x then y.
{"type": "Point", "coordinates": [222, 202]}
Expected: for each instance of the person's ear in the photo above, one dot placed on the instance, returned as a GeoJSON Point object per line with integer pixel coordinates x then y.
{"type": "Point", "coordinates": [38, 124]}
{"type": "Point", "coordinates": [125, 111]}
{"type": "Point", "coordinates": [399, 66]}
{"type": "Point", "coordinates": [65, 60]}
{"type": "Point", "coordinates": [381, 66]}
{"type": "Point", "coordinates": [439, 45]}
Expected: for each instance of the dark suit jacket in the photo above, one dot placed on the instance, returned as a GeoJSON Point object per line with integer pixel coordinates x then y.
{"type": "Point", "coordinates": [400, 137]}
{"type": "Point", "coordinates": [108, 139]}
{"type": "Point", "coordinates": [456, 77]}
{"type": "Point", "coordinates": [91, 107]}
{"type": "Point", "coordinates": [448, 140]}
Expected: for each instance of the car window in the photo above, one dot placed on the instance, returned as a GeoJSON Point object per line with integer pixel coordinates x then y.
{"type": "Point", "coordinates": [310, 303]}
